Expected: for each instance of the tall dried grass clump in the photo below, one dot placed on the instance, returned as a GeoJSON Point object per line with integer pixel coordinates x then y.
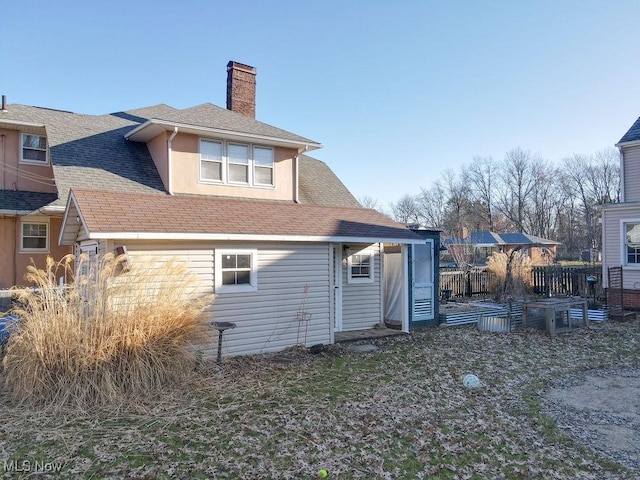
{"type": "Point", "coordinates": [115, 332]}
{"type": "Point", "coordinates": [512, 274]}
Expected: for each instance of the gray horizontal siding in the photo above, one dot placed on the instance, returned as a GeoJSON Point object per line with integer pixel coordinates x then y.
{"type": "Point", "coordinates": [267, 320]}
{"type": "Point", "coordinates": [631, 167]}
{"type": "Point", "coordinates": [612, 235]}
{"type": "Point", "coordinates": [361, 302]}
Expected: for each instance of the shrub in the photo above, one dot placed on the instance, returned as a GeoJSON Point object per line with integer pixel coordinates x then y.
{"type": "Point", "coordinates": [512, 274]}
{"type": "Point", "coordinates": [112, 333]}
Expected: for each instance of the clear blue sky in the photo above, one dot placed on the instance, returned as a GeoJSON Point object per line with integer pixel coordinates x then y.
{"type": "Point", "coordinates": [397, 91]}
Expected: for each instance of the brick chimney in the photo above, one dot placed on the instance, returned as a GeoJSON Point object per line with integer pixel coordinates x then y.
{"type": "Point", "coordinates": [241, 89]}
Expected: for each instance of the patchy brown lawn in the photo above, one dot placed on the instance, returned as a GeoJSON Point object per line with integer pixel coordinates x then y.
{"type": "Point", "coordinates": [401, 412]}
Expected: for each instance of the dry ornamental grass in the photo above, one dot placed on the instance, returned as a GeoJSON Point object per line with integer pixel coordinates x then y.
{"type": "Point", "coordinates": [111, 334]}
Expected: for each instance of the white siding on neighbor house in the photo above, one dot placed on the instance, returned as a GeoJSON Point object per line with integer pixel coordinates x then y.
{"type": "Point", "coordinates": [631, 170]}
{"type": "Point", "coordinates": [613, 254]}
{"type": "Point", "coordinates": [361, 302]}
{"type": "Point", "coordinates": [267, 320]}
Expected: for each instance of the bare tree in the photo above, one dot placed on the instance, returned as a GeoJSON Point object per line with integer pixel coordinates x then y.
{"type": "Point", "coordinates": [432, 205]}
{"type": "Point", "coordinates": [480, 178]}
{"type": "Point", "coordinates": [406, 210]}
{"type": "Point", "coordinates": [368, 202]}
{"type": "Point", "coordinates": [519, 178]}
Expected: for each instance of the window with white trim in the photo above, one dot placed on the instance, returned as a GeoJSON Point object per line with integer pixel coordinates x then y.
{"type": "Point", "coordinates": [34, 237]}
{"type": "Point", "coordinates": [33, 149]}
{"type": "Point", "coordinates": [211, 161]}
{"type": "Point", "coordinates": [236, 270]}
{"type": "Point", "coordinates": [263, 165]}
{"type": "Point", "coordinates": [236, 163]}
{"type": "Point", "coordinates": [360, 267]}
{"type": "Point", "coordinates": [632, 242]}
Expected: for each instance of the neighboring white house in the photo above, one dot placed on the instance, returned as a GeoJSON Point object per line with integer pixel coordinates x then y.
{"type": "Point", "coordinates": [621, 223]}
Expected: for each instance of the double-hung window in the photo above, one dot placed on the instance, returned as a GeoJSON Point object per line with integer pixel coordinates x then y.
{"type": "Point", "coordinates": [236, 270]}
{"type": "Point", "coordinates": [33, 149]}
{"type": "Point", "coordinates": [34, 237]}
{"type": "Point", "coordinates": [211, 161]}
{"type": "Point", "coordinates": [360, 267]}
{"type": "Point", "coordinates": [263, 166]}
{"type": "Point", "coordinates": [632, 242]}
{"type": "Point", "coordinates": [236, 163]}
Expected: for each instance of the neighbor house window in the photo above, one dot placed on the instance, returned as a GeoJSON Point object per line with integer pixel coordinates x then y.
{"type": "Point", "coordinates": [360, 268]}
{"type": "Point", "coordinates": [235, 163]}
{"type": "Point", "coordinates": [211, 161]}
{"type": "Point", "coordinates": [236, 270]}
{"type": "Point", "coordinates": [34, 149]}
{"type": "Point", "coordinates": [632, 242]}
{"type": "Point", "coordinates": [35, 237]}
{"type": "Point", "coordinates": [263, 165]}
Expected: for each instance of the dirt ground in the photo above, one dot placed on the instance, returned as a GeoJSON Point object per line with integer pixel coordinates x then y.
{"type": "Point", "coordinates": [602, 409]}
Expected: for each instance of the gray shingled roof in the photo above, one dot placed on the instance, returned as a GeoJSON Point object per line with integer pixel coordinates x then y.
{"type": "Point", "coordinates": [632, 134]}
{"type": "Point", "coordinates": [21, 201]}
{"type": "Point", "coordinates": [526, 239]}
{"type": "Point", "coordinates": [211, 116]}
{"type": "Point", "coordinates": [319, 185]}
{"type": "Point", "coordinates": [90, 151]}
{"type": "Point", "coordinates": [487, 237]}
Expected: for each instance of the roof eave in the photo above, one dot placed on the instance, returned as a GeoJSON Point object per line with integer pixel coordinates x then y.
{"type": "Point", "coordinates": [247, 237]}
{"type": "Point", "coordinates": [629, 143]}
{"type": "Point", "coordinates": [143, 133]}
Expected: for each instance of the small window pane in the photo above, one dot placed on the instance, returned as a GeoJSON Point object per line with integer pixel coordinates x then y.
{"type": "Point", "coordinates": [264, 176]}
{"type": "Point", "coordinates": [238, 173]}
{"type": "Point", "coordinates": [34, 141]}
{"type": "Point", "coordinates": [633, 233]}
{"type": "Point", "coordinates": [210, 150]}
{"type": "Point", "coordinates": [244, 261]}
{"type": "Point", "coordinates": [229, 261]}
{"type": "Point", "coordinates": [228, 278]}
{"type": "Point", "coordinates": [211, 170]}
{"type": "Point", "coordinates": [34, 242]}
{"type": "Point", "coordinates": [238, 153]}
{"type": "Point", "coordinates": [35, 155]}
{"type": "Point", "coordinates": [263, 156]}
{"type": "Point", "coordinates": [243, 277]}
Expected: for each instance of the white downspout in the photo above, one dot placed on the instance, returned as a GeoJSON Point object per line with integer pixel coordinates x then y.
{"type": "Point", "coordinates": [622, 199]}
{"type": "Point", "coordinates": [171, 137]}
{"type": "Point", "coordinates": [296, 175]}
{"type": "Point", "coordinates": [296, 182]}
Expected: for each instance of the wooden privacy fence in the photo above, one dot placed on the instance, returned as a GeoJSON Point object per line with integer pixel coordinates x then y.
{"type": "Point", "coordinates": [545, 280]}
{"type": "Point", "coordinates": [459, 283]}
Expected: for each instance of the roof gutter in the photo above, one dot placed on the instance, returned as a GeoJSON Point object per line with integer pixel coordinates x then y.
{"type": "Point", "coordinates": [171, 137]}
{"type": "Point", "coordinates": [247, 236]}
{"type": "Point", "coordinates": [185, 127]}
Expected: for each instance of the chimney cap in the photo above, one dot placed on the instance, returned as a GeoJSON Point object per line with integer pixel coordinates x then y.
{"type": "Point", "coordinates": [240, 66]}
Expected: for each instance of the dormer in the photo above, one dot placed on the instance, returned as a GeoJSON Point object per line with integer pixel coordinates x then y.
{"type": "Point", "coordinates": [209, 150]}
{"type": "Point", "coordinates": [24, 155]}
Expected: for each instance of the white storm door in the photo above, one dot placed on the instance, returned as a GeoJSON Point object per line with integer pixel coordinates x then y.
{"type": "Point", "coordinates": [422, 281]}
